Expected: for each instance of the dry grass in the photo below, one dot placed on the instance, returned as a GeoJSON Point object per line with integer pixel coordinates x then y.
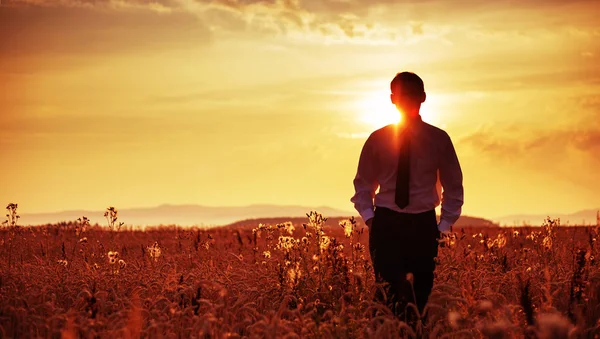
{"type": "Point", "coordinates": [314, 280]}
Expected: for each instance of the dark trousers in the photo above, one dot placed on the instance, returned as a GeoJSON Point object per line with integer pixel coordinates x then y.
{"type": "Point", "coordinates": [402, 243]}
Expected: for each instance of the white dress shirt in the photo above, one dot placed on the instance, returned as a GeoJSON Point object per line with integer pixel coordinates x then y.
{"type": "Point", "coordinates": [433, 166]}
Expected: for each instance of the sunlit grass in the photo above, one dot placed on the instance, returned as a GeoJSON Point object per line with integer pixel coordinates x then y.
{"type": "Point", "coordinates": [309, 280]}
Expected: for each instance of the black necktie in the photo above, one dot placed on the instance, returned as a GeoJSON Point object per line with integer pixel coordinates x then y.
{"type": "Point", "coordinates": [403, 175]}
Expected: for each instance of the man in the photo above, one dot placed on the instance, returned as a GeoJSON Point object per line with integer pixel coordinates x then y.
{"type": "Point", "coordinates": [407, 162]}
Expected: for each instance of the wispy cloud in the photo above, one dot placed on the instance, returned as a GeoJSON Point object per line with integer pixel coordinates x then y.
{"type": "Point", "coordinates": [369, 22]}
{"type": "Point", "coordinates": [560, 153]}
{"type": "Point", "coordinates": [87, 29]}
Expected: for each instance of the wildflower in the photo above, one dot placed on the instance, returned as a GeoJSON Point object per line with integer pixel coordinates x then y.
{"type": "Point", "coordinates": [294, 274]}
{"type": "Point", "coordinates": [547, 242]}
{"type": "Point", "coordinates": [113, 257]}
{"type": "Point", "coordinates": [347, 226]}
{"type": "Point", "coordinates": [154, 252]}
{"type": "Point", "coordinates": [500, 240]}
{"type": "Point", "coordinates": [122, 264]}
{"type": "Point", "coordinates": [286, 243]}
{"type": "Point", "coordinates": [315, 268]}
{"type": "Point", "coordinates": [515, 234]}
{"type": "Point", "coordinates": [82, 224]}
{"type": "Point", "coordinates": [63, 262]}
{"type": "Point", "coordinates": [267, 254]}
{"type": "Point", "coordinates": [325, 241]}
{"type": "Point", "coordinates": [315, 257]}
{"type": "Point", "coordinates": [449, 240]}
{"type": "Point", "coordinates": [531, 236]}
{"type": "Point", "coordinates": [289, 227]}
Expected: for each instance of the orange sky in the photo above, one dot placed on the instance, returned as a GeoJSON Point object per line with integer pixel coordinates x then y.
{"type": "Point", "coordinates": [138, 103]}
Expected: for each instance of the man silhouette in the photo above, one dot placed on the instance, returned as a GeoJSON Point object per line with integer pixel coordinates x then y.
{"type": "Point", "coordinates": [408, 162]}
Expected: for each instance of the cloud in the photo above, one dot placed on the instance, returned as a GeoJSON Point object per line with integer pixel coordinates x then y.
{"type": "Point", "coordinates": [290, 18]}
{"type": "Point", "coordinates": [568, 154]}
{"type": "Point", "coordinates": [88, 29]}
{"type": "Point", "coordinates": [504, 144]}
{"type": "Point", "coordinates": [369, 22]}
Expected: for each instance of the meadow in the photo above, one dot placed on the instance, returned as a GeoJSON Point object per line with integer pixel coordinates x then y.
{"type": "Point", "coordinates": [309, 280]}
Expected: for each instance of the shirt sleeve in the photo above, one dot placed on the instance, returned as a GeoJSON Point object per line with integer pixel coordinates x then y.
{"type": "Point", "coordinates": [365, 181]}
{"type": "Point", "coordinates": [451, 179]}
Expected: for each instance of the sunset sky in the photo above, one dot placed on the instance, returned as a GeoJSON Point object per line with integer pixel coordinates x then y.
{"type": "Point", "coordinates": [136, 103]}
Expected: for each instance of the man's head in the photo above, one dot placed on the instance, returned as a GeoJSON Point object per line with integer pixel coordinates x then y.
{"type": "Point", "coordinates": [408, 93]}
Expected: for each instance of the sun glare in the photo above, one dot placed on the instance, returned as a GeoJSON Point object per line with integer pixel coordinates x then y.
{"type": "Point", "coordinates": [377, 110]}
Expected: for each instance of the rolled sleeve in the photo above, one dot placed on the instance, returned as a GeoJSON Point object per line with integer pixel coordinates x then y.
{"type": "Point", "coordinates": [451, 178]}
{"type": "Point", "coordinates": [365, 181]}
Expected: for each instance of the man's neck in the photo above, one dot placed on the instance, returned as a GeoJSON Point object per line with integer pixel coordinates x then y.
{"type": "Point", "coordinates": [410, 119]}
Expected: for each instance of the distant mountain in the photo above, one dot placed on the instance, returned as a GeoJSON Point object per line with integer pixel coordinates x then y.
{"type": "Point", "coordinates": [184, 215]}
{"type": "Point", "coordinates": [190, 215]}
{"type": "Point", "coordinates": [585, 217]}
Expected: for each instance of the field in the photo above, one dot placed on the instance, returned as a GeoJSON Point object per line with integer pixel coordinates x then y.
{"type": "Point", "coordinates": [311, 280]}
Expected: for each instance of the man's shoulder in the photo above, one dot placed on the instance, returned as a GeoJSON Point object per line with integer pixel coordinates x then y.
{"type": "Point", "coordinates": [435, 131]}
{"type": "Point", "coordinates": [389, 131]}
{"type": "Point", "coordinates": [385, 129]}
{"type": "Point", "coordinates": [384, 132]}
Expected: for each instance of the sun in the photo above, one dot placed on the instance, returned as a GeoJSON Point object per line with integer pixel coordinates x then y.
{"type": "Point", "coordinates": [377, 110]}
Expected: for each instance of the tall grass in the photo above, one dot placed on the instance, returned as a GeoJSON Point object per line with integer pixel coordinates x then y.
{"type": "Point", "coordinates": [285, 280]}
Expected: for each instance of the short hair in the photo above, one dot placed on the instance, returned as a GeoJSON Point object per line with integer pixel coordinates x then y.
{"type": "Point", "coordinates": [410, 82]}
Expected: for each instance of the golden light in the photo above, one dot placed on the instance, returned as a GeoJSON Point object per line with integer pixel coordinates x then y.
{"type": "Point", "coordinates": [377, 110]}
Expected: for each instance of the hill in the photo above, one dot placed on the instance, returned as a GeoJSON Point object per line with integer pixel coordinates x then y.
{"type": "Point", "coordinates": [183, 215]}
{"type": "Point", "coordinates": [584, 217]}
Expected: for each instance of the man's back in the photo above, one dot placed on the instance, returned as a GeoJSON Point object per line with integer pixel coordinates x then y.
{"type": "Point", "coordinates": [432, 161]}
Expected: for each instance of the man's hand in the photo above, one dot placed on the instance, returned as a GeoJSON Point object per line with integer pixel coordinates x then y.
{"type": "Point", "coordinates": [445, 227]}
{"type": "Point", "coordinates": [446, 235]}
{"type": "Point", "coordinates": [369, 223]}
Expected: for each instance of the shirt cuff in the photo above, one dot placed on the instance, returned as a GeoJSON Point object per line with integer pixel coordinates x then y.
{"type": "Point", "coordinates": [367, 214]}
{"type": "Point", "coordinates": [444, 226]}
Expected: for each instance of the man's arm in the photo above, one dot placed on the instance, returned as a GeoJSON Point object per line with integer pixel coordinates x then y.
{"type": "Point", "coordinates": [365, 182]}
{"type": "Point", "coordinates": [451, 179]}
